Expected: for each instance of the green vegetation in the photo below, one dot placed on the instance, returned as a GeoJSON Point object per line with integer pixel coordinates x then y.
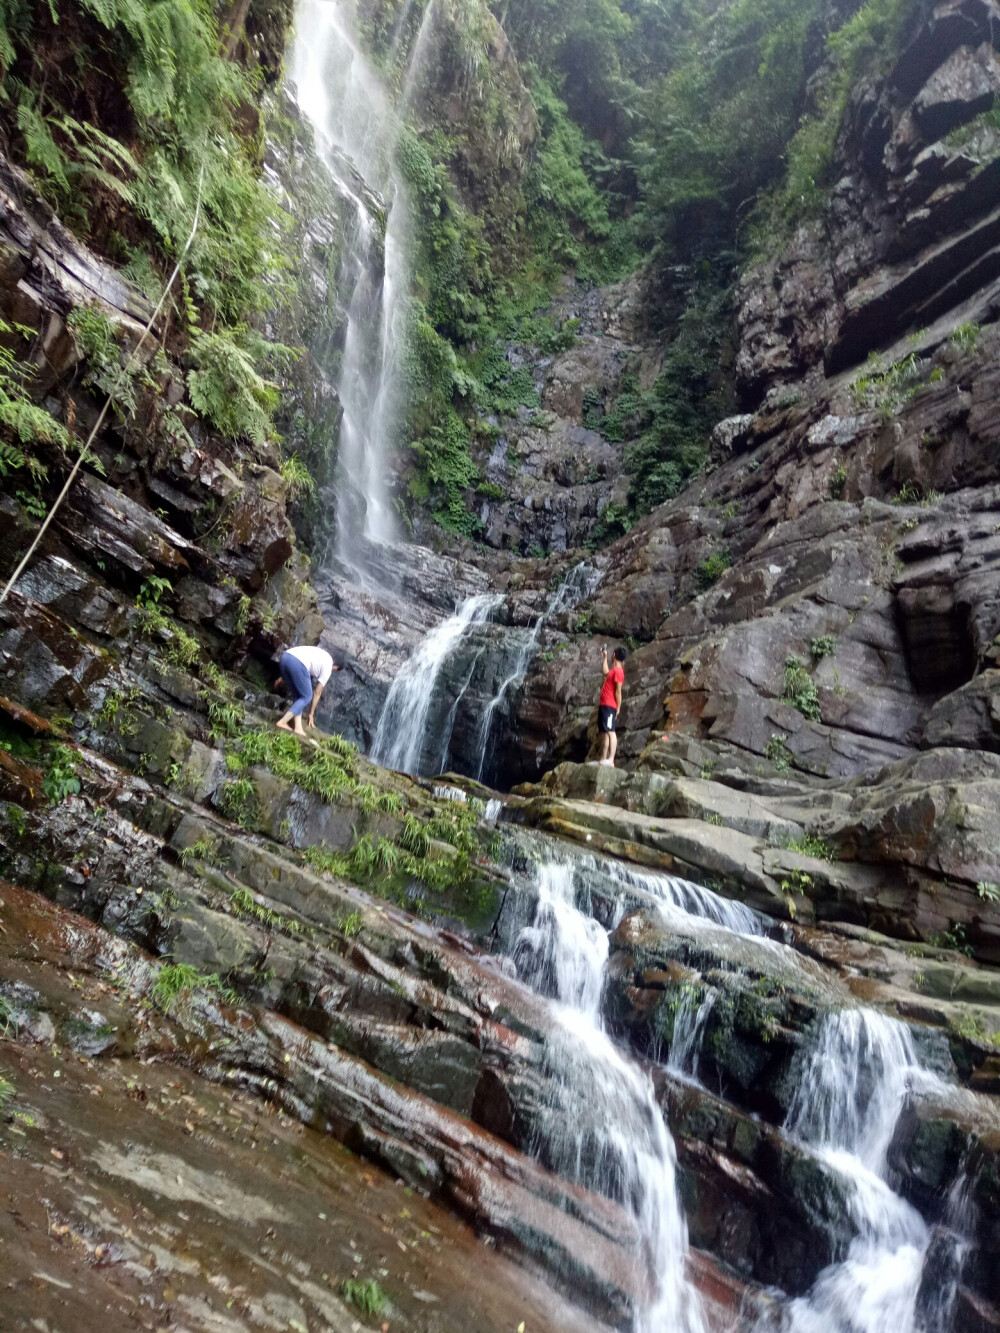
{"type": "Point", "coordinates": [778, 752]}
{"type": "Point", "coordinates": [125, 114]}
{"type": "Point", "coordinates": [824, 646]}
{"type": "Point", "coordinates": [887, 389]}
{"type": "Point", "coordinates": [364, 1294]}
{"type": "Point", "coordinates": [60, 779]}
{"type": "Point", "coordinates": [244, 904]}
{"type": "Point", "coordinates": [24, 426]}
{"type": "Point", "coordinates": [225, 718]}
{"type": "Point", "coordinates": [204, 849]}
{"type": "Point", "coordinates": [988, 891]}
{"type": "Point", "coordinates": [327, 766]}
{"type": "Point", "coordinates": [174, 981]}
{"type": "Point", "coordinates": [238, 798]}
{"type": "Point", "coordinates": [838, 480]}
{"type": "Point", "coordinates": [810, 845]}
{"type": "Point", "coordinates": [351, 925]}
{"type": "Point", "coordinates": [800, 690]}
{"type": "Point", "coordinates": [439, 853]}
{"type": "Point", "coordinates": [966, 337]}
{"type": "Point", "coordinates": [297, 477]}
{"type": "Point", "coordinates": [712, 569]}
{"type": "Point", "coordinates": [911, 493]}
{"type": "Point", "coordinates": [953, 938]}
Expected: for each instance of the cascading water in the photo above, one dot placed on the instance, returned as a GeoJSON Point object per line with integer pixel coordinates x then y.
{"type": "Point", "coordinates": [416, 727]}
{"type": "Point", "coordinates": [403, 736]}
{"type": "Point", "coordinates": [684, 896]}
{"type": "Point", "coordinates": [578, 584]}
{"type": "Point", "coordinates": [604, 1128]}
{"type": "Point", "coordinates": [846, 1105]}
{"type": "Point", "coordinates": [356, 129]}
{"type": "Point", "coordinates": [690, 1021]}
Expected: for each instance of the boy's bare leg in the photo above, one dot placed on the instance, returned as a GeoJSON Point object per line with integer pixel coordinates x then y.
{"type": "Point", "coordinates": [612, 746]}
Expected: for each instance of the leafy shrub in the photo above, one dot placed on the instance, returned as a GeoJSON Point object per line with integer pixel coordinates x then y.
{"type": "Point", "coordinates": [712, 569]}
{"type": "Point", "coordinates": [822, 647]}
{"type": "Point", "coordinates": [226, 386]}
{"type": "Point", "coordinates": [778, 752]}
{"type": "Point", "coordinates": [60, 779]}
{"type": "Point", "coordinates": [800, 690]}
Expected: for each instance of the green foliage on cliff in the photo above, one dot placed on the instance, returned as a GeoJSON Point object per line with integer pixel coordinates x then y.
{"type": "Point", "coordinates": [126, 112]}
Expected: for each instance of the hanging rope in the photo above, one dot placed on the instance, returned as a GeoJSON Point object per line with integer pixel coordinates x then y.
{"type": "Point", "coordinates": [107, 402]}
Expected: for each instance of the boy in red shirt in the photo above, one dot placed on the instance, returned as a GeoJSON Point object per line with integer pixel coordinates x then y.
{"type": "Point", "coordinates": [610, 703]}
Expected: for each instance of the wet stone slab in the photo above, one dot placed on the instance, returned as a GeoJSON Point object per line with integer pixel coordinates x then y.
{"type": "Point", "coordinates": [135, 1195]}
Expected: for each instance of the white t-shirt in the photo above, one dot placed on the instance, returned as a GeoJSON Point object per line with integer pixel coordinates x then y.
{"type": "Point", "coordinates": [317, 661]}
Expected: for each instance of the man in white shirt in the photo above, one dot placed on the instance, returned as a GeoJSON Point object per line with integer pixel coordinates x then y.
{"type": "Point", "coordinates": [305, 671]}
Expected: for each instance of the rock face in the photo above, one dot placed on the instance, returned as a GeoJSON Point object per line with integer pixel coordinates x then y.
{"type": "Point", "coordinates": [827, 593]}
{"type": "Point", "coordinates": [550, 472]}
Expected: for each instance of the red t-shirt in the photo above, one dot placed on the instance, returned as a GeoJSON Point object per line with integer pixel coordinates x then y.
{"type": "Point", "coordinates": [616, 676]}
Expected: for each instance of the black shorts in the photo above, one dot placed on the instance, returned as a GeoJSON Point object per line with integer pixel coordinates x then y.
{"type": "Point", "coordinates": [606, 718]}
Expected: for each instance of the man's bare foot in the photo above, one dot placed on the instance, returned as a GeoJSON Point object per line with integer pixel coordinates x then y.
{"type": "Point", "coordinates": [282, 726]}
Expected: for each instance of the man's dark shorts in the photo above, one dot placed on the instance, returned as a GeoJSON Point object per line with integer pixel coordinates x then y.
{"type": "Point", "coordinates": [606, 718]}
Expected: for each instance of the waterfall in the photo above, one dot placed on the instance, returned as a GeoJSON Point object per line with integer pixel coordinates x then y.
{"type": "Point", "coordinates": [684, 896]}
{"type": "Point", "coordinates": [690, 1018]}
{"type": "Point", "coordinates": [846, 1105]}
{"type": "Point", "coordinates": [578, 584]}
{"type": "Point", "coordinates": [356, 129]}
{"type": "Point", "coordinates": [409, 735]}
{"type": "Point", "coordinates": [604, 1129]}
{"type": "Point", "coordinates": [401, 737]}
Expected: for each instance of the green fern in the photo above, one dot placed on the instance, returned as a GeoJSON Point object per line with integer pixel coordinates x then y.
{"type": "Point", "coordinates": [227, 389]}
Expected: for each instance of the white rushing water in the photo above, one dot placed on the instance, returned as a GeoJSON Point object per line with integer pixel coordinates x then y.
{"type": "Point", "coordinates": [578, 584]}
{"type": "Point", "coordinates": [401, 736]}
{"type": "Point", "coordinates": [846, 1106]}
{"type": "Point", "coordinates": [690, 1020]}
{"type": "Point", "coordinates": [605, 1129]}
{"type": "Point", "coordinates": [356, 128]}
{"type": "Point", "coordinates": [684, 896]}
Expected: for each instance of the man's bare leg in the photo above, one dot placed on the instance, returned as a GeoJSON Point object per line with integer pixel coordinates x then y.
{"type": "Point", "coordinates": [604, 746]}
{"type": "Point", "coordinates": [612, 747]}
{"type": "Point", "coordinates": [296, 723]}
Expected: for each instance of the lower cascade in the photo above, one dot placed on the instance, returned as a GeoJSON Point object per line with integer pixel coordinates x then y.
{"type": "Point", "coordinates": [605, 1129]}
{"type": "Point", "coordinates": [849, 1098]}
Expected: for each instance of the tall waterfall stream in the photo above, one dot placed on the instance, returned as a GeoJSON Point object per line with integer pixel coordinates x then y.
{"type": "Point", "coordinates": [356, 128]}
